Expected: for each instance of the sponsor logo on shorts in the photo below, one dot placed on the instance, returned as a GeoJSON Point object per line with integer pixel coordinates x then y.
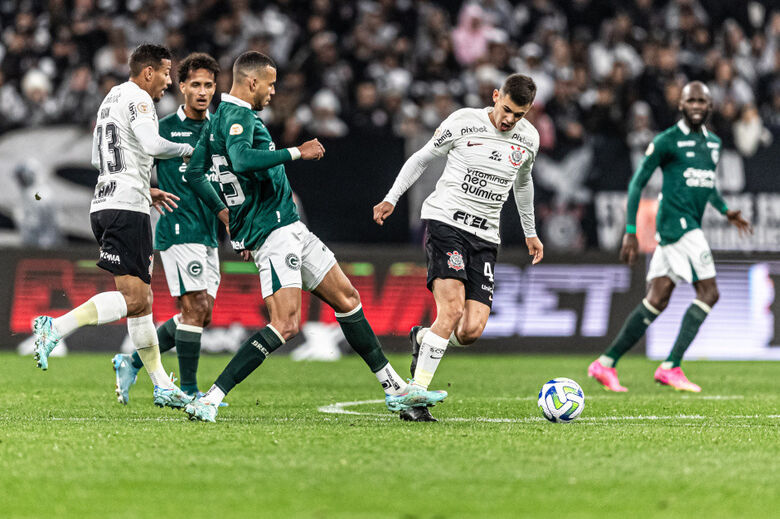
{"type": "Point", "coordinates": [111, 258]}
{"type": "Point", "coordinates": [487, 288]}
{"type": "Point", "coordinates": [706, 257]}
{"type": "Point", "coordinates": [456, 260]}
{"type": "Point", "coordinates": [478, 222]}
{"type": "Point", "coordinates": [195, 268]}
{"type": "Point", "coordinates": [517, 156]}
{"type": "Point", "coordinates": [293, 261]}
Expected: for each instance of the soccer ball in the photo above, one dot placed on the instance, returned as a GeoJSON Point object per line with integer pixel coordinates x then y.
{"type": "Point", "coordinates": [561, 400]}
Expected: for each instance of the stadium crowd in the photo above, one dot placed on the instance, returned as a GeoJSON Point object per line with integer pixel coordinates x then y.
{"type": "Point", "coordinates": [609, 72]}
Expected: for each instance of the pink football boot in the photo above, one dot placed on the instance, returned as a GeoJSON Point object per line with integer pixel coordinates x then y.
{"type": "Point", "coordinates": [605, 376]}
{"type": "Point", "coordinates": [676, 378]}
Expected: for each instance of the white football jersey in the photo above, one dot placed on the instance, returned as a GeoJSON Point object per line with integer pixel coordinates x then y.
{"type": "Point", "coordinates": [125, 169]}
{"type": "Point", "coordinates": [483, 165]}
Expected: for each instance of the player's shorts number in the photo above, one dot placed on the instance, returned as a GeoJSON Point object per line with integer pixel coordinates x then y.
{"type": "Point", "coordinates": [114, 162]}
{"type": "Point", "coordinates": [234, 195]}
{"type": "Point", "coordinates": [488, 271]}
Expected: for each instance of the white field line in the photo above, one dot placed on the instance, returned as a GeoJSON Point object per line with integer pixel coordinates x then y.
{"type": "Point", "coordinates": [340, 408]}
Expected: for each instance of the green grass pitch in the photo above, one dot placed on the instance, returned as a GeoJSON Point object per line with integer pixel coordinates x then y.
{"type": "Point", "coordinates": [67, 449]}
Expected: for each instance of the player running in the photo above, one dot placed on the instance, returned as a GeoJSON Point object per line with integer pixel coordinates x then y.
{"type": "Point", "coordinates": [687, 154]}
{"type": "Point", "coordinates": [124, 145]}
{"type": "Point", "coordinates": [187, 238]}
{"type": "Point", "coordinates": [489, 151]}
{"type": "Point", "coordinates": [264, 224]}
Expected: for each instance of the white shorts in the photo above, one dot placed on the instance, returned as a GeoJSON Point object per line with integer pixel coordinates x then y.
{"type": "Point", "coordinates": [688, 258]}
{"type": "Point", "coordinates": [292, 256]}
{"type": "Point", "coordinates": [191, 267]}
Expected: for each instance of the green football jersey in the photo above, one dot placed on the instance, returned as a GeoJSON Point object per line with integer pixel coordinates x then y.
{"type": "Point", "coordinates": [192, 221]}
{"type": "Point", "coordinates": [251, 172]}
{"type": "Point", "coordinates": [688, 161]}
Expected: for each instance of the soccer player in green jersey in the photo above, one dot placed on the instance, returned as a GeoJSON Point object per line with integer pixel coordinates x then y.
{"type": "Point", "coordinates": [264, 224]}
{"type": "Point", "coordinates": [687, 154]}
{"type": "Point", "coordinates": [186, 238]}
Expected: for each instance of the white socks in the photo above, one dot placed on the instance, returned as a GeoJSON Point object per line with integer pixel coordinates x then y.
{"type": "Point", "coordinates": [391, 382]}
{"type": "Point", "coordinates": [452, 342]}
{"type": "Point", "coordinates": [607, 362]}
{"type": "Point", "coordinates": [213, 396]}
{"type": "Point", "coordinates": [431, 351]}
{"type": "Point", "coordinates": [102, 308]}
{"type": "Point", "coordinates": [144, 336]}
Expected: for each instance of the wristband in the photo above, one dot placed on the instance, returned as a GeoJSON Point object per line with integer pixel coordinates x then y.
{"type": "Point", "coordinates": [630, 229]}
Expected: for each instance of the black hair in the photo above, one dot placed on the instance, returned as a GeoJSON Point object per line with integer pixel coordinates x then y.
{"type": "Point", "coordinates": [195, 61]}
{"type": "Point", "coordinates": [249, 62]}
{"type": "Point", "coordinates": [521, 89]}
{"type": "Point", "coordinates": [145, 55]}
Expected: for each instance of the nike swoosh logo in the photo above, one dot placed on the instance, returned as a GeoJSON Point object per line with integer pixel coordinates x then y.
{"type": "Point", "coordinates": [474, 143]}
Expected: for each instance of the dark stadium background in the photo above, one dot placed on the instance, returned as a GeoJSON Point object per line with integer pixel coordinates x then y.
{"type": "Point", "coordinates": [372, 80]}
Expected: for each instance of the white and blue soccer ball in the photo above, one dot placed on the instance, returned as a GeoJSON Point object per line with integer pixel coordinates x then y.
{"type": "Point", "coordinates": [561, 400]}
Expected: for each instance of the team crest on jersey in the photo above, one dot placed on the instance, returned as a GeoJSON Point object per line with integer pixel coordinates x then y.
{"type": "Point", "coordinates": [236, 129]}
{"type": "Point", "coordinates": [456, 260]}
{"type": "Point", "coordinates": [517, 156]}
{"type": "Point", "coordinates": [144, 108]}
{"type": "Point", "coordinates": [293, 261]}
{"type": "Point", "coordinates": [715, 156]}
{"type": "Point", "coordinates": [195, 268]}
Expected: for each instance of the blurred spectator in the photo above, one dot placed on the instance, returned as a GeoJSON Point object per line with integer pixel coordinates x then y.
{"type": "Point", "coordinates": [749, 131]}
{"type": "Point", "coordinates": [35, 215]}
{"type": "Point", "coordinates": [36, 89]}
{"type": "Point", "coordinates": [728, 85]}
{"type": "Point", "coordinates": [470, 37]}
{"type": "Point", "coordinates": [12, 108]}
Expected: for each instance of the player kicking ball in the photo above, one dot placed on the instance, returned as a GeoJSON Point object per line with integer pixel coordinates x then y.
{"type": "Point", "coordinates": [125, 142]}
{"type": "Point", "coordinates": [186, 239]}
{"type": "Point", "coordinates": [264, 225]}
{"type": "Point", "coordinates": [687, 154]}
{"type": "Point", "coordinates": [489, 151]}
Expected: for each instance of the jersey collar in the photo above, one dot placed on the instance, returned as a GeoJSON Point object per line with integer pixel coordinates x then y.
{"type": "Point", "coordinates": [183, 116]}
{"type": "Point", "coordinates": [236, 101]}
{"type": "Point", "coordinates": [681, 124]}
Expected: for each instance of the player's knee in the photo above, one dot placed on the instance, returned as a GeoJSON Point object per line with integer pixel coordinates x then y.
{"type": "Point", "coordinates": [138, 303]}
{"type": "Point", "coordinates": [470, 332]}
{"type": "Point", "coordinates": [348, 301]}
{"type": "Point", "coordinates": [451, 313]}
{"type": "Point", "coordinates": [287, 328]}
{"type": "Point", "coordinates": [196, 309]}
{"type": "Point", "coordinates": [709, 296]}
{"type": "Point", "coordinates": [659, 303]}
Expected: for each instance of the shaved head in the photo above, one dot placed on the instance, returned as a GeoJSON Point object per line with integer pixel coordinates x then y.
{"type": "Point", "coordinates": [695, 104]}
{"type": "Point", "coordinates": [696, 88]}
{"type": "Point", "coordinates": [249, 64]}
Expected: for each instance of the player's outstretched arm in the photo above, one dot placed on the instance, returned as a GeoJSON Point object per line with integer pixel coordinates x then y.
{"type": "Point", "coordinates": [199, 163]}
{"type": "Point", "coordinates": [535, 249]}
{"type": "Point", "coordinates": [630, 248]}
{"type": "Point", "coordinates": [382, 211]}
{"type": "Point", "coordinates": [146, 132]}
{"type": "Point", "coordinates": [163, 199]}
{"type": "Point", "coordinates": [741, 223]}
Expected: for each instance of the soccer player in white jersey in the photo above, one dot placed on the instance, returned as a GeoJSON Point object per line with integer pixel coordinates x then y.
{"type": "Point", "coordinates": [125, 143]}
{"type": "Point", "coordinates": [489, 151]}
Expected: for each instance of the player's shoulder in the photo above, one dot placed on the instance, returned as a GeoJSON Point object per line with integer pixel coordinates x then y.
{"type": "Point", "coordinates": [668, 136]}
{"type": "Point", "coordinates": [170, 120]}
{"type": "Point", "coordinates": [526, 133]}
{"type": "Point", "coordinates": [712, 137]}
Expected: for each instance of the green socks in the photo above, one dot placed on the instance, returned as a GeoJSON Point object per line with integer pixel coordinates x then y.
{"type": "Point", "coordinates": [188, 351]}
{"type": "Point", "coordinates": [694, 316]}
{"type": "Point", "coordinates": [166, 335]}
{"type": "Point", "coordinates": [362, 338]}
{"type": "Point", "coordinates": [633, 330]}
{"type": "Point", "coordinates": [249, 356]}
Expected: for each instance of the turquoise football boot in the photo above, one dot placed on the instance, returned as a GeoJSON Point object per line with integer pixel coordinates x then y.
{"type": "Point", "coordinates": [200, 394]}
{"type": "Point", "coordinates": [199, 410]}
{"type": "Point", "coordinates": [415, 396]}
{"type": "Point", "coordinates": [126, 375]}
{"type": "Point", "coordinates": [46, 339]}
{"type": "Point", "coordinates": [174, 397]}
